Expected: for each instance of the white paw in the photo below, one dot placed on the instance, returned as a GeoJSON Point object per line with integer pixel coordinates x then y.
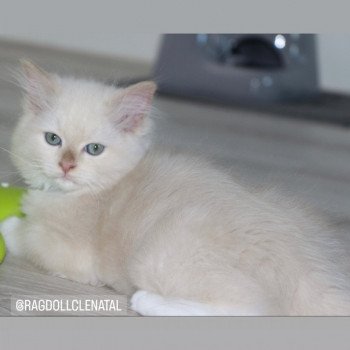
{"type": "Point", "coordinates": [9, 225]}
{"type": "Point", "coordinates": [150, 304]}
{"type": "Point", "coordinates": [8, 228]}
{"type": "Point", "coordinates": [143, 302]}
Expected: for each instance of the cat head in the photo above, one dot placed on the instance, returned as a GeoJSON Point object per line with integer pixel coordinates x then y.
{"type": "Point", "coordinates": [77, 134]}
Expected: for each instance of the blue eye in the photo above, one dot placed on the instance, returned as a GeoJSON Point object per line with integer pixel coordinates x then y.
{"type": "Point", "coordinates": [53, 139]}
{"type": "Point", "coordinates": [94, 149]}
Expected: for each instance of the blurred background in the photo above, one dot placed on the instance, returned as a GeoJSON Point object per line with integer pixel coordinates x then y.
{"type": "Point", "coordinates": [333, 50]}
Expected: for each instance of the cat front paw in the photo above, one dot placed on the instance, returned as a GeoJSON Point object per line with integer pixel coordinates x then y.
{"type": "Point", "coordinates": [8, 226]}
{"type": "Point", "coordinates": [9, 231]}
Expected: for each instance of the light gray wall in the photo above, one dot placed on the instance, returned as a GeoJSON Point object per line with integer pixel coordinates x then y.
{"type": "Point", "coordinates": [334, 49]}
{"type": "Point", "coordinates": [80, 25]}
{"type": "Point", "coordinates": [334, 60]}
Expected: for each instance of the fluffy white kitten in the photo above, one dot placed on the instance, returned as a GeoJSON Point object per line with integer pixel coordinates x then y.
{"type": "Point", "coordinates": [175, 233]}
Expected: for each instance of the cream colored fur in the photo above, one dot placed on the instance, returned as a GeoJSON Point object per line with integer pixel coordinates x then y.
{"type": "Point", "coordinates": [184, 235]}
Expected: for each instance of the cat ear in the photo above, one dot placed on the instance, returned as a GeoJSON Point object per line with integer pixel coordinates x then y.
{"type": "Point", "coordinates": [132, 106]}
{"type": "Point", "coordinates": [38, 85]}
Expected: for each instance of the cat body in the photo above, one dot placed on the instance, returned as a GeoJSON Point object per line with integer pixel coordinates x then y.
{"type": "Point", "coordinates": [174, 233]}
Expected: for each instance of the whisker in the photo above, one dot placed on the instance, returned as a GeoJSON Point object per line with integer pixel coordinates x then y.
{"type": "Point", "coordinates": [6, 176]}
{"type": "Point", "coordinates": [16, 181]}
{"type": "Point", "coordinates": [9, 172]}
{"type": "Point", "coordinates": [33, 162]}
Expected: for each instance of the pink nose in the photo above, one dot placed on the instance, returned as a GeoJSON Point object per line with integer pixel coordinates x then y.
{"type": "Point", "coordinates": [67, 165]}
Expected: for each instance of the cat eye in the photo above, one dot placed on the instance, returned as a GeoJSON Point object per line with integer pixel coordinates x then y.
{"type": "Point", "coordinates": [53, 139]}
{"type": "Point", "coordinates": [94, 148]}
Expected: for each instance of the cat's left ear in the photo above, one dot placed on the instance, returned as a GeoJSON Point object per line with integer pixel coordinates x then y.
{"type": "Point", "coordinates": [39, 86]}
{"type": "Point", "coordinates": [133, 105]}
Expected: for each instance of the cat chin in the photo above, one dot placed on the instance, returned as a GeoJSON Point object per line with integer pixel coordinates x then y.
{"type": "Point", "coordinates": [57, 185]}
{"type": "Point", "coordinates": [69, 186]}
{"type": "Point", "coordinates": [66, 185]}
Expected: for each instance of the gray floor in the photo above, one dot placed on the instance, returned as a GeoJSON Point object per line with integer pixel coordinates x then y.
{"type": "Point", "coordinates": [306, 159]}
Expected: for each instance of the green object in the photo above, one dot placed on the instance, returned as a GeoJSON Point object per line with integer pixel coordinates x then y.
{"type": "Point", "coordinates": [10, 205]}
{"type": "Point", "coordinates": [2, 249]}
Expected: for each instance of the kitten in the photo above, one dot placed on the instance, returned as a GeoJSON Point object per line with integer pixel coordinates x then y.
{"type": "Point", "coordinates": [175, 234]}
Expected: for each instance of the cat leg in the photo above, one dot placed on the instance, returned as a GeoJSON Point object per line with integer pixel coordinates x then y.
{"type": "Point", "coordinates": [151, 304]}
{"type": "Point", "coordinates": [10, 229]}
{"type": "Point", "coordinates": [61, 261]}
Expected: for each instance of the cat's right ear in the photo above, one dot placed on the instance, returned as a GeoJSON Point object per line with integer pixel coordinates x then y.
{"type": "Point", "coordinates": [39, 86]}
{"type": "Point", "coordinates": [131, 107]}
